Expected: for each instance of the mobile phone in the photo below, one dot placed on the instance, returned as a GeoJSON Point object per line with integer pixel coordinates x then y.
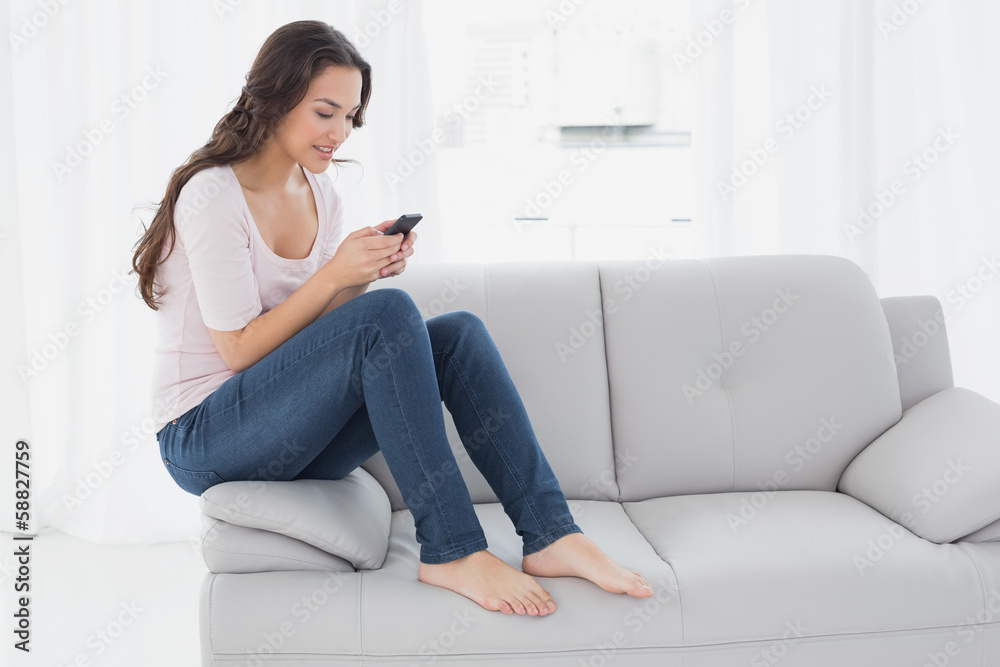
{"type": "Point", "coordinates": [404, 224]}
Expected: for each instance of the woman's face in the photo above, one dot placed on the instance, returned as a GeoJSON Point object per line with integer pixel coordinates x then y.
{"type": "Point", "coordinates": [322, 121]}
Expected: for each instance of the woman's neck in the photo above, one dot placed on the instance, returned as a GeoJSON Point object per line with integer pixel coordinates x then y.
{"type": "Point", "coordinates": [270, 170]}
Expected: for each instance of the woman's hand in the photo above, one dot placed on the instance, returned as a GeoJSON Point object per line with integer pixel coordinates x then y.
{"type": "Point", "coordinates": [361, 256]}
{"type": "Point", "coordinates": [398, 260]}
{"type": "Point", "coordinates": [366, 255]}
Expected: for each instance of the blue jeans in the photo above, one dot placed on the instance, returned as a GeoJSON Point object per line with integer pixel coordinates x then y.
{"type": "Point", "coordinates": [370, 375]}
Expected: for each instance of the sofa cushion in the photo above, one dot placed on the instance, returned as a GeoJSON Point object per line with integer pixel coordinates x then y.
{"type": "Point", "coordinates": [937, 471]}
{"type": "Point", "coordinates": [545, 318]}
{"type": "Point", "coordinates": [990, 533]}
{"type": "Point", "coordinates": [742, 373]}
{"type": "Point", "coordinates": [789, 584]}
{"type": "Point", "coordinates": [227, 547]}
{"type": "Point", "coordinates": [389, 614]}
{"type": "Point", "coordinates": [347, 517]}
{"type": "Point", "coordinates": [748, 564]}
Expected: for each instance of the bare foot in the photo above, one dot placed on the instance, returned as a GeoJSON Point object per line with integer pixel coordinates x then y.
{"type": "Point", "coordinates": [576, 555]}
{"type": "Point", "coordinates": [490, 583]}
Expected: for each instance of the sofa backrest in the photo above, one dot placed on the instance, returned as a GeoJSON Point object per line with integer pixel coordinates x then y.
{"type": "Point", "coordinates": [666, 377]}
{"type": "Point", "coordinates": [530, 308]}
{"type": "Point", "coordinates": [744, 373]}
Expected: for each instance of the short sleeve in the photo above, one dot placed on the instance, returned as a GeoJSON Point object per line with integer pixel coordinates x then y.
{"type": "Point", "coordinates": [336, 217]}
{"type": "Point", "coordinates": [214, 231]}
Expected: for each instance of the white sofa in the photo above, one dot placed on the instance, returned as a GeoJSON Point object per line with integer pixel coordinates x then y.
{"type": "Point", "coordinates": [781, 453]}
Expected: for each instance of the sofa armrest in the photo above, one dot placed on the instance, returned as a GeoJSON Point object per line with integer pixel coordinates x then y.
{"type": "Point", "coordinates": [348, 518]}
{"type": "Point", "coordinates": [937, 470]}
{"type": "Point", "coordinates": [228, 548]}
{"type": "Point", "coordinates": [920, 349]}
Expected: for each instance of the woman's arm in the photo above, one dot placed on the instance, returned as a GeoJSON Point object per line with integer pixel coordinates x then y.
{"type": "Point", "coordinates": [244, 347]}
{"type": "Point", "coordinates": [325, 290]}
{"type": "Point", "coordinates": [344, 296]}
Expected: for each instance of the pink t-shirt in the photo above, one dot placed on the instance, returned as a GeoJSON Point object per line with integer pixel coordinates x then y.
{"type": "Point", "coordinates": [222, 275]}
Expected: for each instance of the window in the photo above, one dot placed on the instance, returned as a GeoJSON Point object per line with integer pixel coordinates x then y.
{"type": "Point", "coordinates": [567, 129]}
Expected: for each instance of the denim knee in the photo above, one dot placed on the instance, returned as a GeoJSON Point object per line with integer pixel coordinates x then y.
{"type": "Point", "coordinates": [397, 305]}
{"type": "Point", "coordinates": [457, 322]}
{"type": "Point", "coordinates": [462, 319]}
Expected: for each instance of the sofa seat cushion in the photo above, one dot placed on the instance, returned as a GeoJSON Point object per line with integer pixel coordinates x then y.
{"type": "Point", "coordinates": [388, 614]}
{"type": "Point", "coordinates": [721, 598]}
{"type": "Point", "coordinates": [819, 563]}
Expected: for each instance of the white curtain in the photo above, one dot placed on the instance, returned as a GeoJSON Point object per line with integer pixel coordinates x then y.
{"type": "Point", "coordinates": [866, 129]}
{"type": "Point", "coordinates": [108, 97]}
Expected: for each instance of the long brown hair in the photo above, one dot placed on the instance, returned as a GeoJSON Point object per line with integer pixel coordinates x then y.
{"type": "Point", "coordinates": [290, 58]}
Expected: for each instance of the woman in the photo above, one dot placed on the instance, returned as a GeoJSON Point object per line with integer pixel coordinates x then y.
{"type": "Point", "coordinates": [279, 365]}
